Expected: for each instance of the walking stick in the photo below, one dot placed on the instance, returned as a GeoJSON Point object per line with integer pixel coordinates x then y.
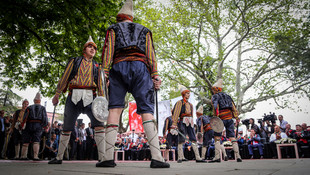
{"type": "Point", "coordinates": [50, 131]}
{"type": "Point", "coordinates": [237, 130]}
{"type": "Point", "coordinates": [156, 105]}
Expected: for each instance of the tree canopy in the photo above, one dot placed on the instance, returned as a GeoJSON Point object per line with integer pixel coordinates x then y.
{"type": "Point", "coordinates": [37, 37]}
{"type": "Point", "coordinates": [256, 46]}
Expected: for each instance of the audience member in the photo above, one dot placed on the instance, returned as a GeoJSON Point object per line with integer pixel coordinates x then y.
{"type": "Point", "coordinates": [51, 147]}
{"type": "Point", "coordinates": [288, 131]}
{"type": "Point", "coordinates": [282, 123]}
{"type": "Point", "coordinates": [81, 148]}
{"type": "Point", "coordinates": [255, 142]}
{"type": "Point", "coordinates": [254, 126]}
{"type": "Point", "coordinates": [302, 138]}
{"type": "Point", "coordinates": [277, 135]}
{"type": "Point", "coordinates": [73, 142]}
{"type": "Point", "coordinates": [4, 122]}
{"type": "Point", "coordinates": [90, 142]}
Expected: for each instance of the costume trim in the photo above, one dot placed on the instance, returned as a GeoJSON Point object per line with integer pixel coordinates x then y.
{"type": "Point", "coordinates": [148, 121]}
{"type": "Point", "coordinates": [65, 134]}
{"type": "Point", "coordinates": [112, 126]}
{"type": "Point", "coordinates": [123, 17]}
{"type": "Point", "coordinates": [225, 114]}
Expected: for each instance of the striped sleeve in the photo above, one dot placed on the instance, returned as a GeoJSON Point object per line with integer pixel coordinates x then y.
{"type": "Point", "coordinates": [150, 54]}
{"type": "Point", "coordinates": [62, 83]}
{"type": "Point", "coordinates": [108, 51]}
{"type": "Point", "coordinates": [176, 112]}
{"type": "Point", "coordinates": [100, 88]}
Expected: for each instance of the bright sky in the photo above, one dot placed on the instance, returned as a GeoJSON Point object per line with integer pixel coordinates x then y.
{"type": "Point", "coordinates": [293, 117]}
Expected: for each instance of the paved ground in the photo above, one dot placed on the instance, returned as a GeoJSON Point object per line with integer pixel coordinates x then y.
{"type": "Point", "coordinates": [247, 167]}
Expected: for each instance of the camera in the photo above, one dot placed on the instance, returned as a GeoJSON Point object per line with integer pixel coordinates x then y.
{"type": "Point", "coordinates": [271, 117]}
{"type": "Point", "coordinates": [260, 121]}
{"type": "Point", "coordinates": [246, 122]}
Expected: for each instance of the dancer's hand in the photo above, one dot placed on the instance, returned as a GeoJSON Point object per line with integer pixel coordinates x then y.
{"type": "Point", "coordinates": [55, 99]}
{"type": "Point", "coordinates": [107, 80]}
{"type": "Point", "coordinates": [157, 82]}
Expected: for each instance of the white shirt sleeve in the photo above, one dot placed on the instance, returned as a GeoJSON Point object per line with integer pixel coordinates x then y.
{"type": "Point", "coordinates": [272, 138]}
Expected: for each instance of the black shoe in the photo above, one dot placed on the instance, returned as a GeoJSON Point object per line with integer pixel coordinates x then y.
{"type": "Point", "coordinates": [55, 161]}
{"type": "Point", "coordinates": [215, 161]}
{"type": "Point", "coordinates": [107, 163]}
{"type": "Point", "coordinates": [36, 159]}
{"type": "Point", "coordinates": [201, 161]}
{"type": "Point", "coordinates": [225, 158]}
{"type": "Point", "coordinates": [239, 160]}
{"type": "Point", "coordinates": [159, 164]}
{"type": "Point", "coordinates": [179, 161]}
{"type": "Point", "coordinates": [24, 158]}
{"type": "Point", "coordinates": [184, 160]}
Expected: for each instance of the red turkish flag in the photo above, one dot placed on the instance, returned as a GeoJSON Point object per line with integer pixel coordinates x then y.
{"type": "Point", "coordinates": [135, 120]}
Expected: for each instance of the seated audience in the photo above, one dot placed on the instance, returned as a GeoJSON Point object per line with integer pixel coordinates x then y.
{"type": "Point", "coordinates": [255, 142]}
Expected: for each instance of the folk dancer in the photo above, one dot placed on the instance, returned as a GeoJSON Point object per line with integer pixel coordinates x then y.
{"type": "Point", "coordinates": [182, 118]}
{"type": "Point", "coordinates": [224, 108]}
{"type": "Point", "coordinates": [130, 65]}
{"type": "Point", "coordinates": [82, 76]}
{"type": "Point", "coordinates": [17, 127]}
{"type": "Point", "coordinates": [36, 119]}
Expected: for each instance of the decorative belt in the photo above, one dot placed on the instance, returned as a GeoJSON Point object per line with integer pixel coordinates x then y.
{"type": "Point", "coordinates": [82, 87]}
{"type": "Point", "coordinates": [225, 114]}
{"type": "Point", "coordinates": [185, 115]}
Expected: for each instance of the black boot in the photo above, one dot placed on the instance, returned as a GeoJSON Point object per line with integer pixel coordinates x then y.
{"type": "Point", "coordinates": [159, 164]}
{"type": "Point", "coordinates": [215, 161]}
{"type": "Point", "coordinates": [225, 158]}
{"type": "Point", "coordinates": [239, 160]}
{"type": "Point", "coordinates": [201, 161]}
{"type": "Point", "coordinates": [55, 161]}
{"type": "Point", "coordinates": [107, 163]}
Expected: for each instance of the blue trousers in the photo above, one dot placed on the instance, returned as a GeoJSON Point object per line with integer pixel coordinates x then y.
{"type": "Point", "coordinates": [260, 149]}
{"type": "Point", "coordinates": [132, 77]}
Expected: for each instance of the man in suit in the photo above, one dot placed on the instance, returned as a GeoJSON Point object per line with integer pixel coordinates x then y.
{"type": "Point", "coordinates": [4, 122]}
{"type": "Point", "coordinates": [74, 138]}
{"type": "Point", "coordinates": [89, 142]}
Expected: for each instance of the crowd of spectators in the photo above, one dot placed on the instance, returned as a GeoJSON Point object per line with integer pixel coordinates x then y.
{"type": "Point", "coordinates": [261, 137]}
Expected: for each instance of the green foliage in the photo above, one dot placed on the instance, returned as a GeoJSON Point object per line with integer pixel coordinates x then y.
{"type": "Point", "coordinates": [38, 37]}
{"type": "Point", "coordinates": [8, 99]}
{"type": "Point", "coordinates": [198, 42]}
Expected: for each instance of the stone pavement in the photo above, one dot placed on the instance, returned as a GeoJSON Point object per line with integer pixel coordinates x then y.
{"type": "Point", "coordinates": [247, 167]}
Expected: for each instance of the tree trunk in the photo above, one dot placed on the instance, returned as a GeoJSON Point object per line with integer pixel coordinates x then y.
{"type": "Point", "coordinates": [238, 79]}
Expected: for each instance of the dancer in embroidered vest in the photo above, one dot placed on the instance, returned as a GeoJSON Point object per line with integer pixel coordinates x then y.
{"type": "Point", "coordinates": [130, 65]}
{"type": "Point", "coordinates": [82, 76]}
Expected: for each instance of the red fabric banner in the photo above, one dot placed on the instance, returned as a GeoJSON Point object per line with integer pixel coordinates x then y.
{"type": "Point", "coordinates": [135, 120]}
